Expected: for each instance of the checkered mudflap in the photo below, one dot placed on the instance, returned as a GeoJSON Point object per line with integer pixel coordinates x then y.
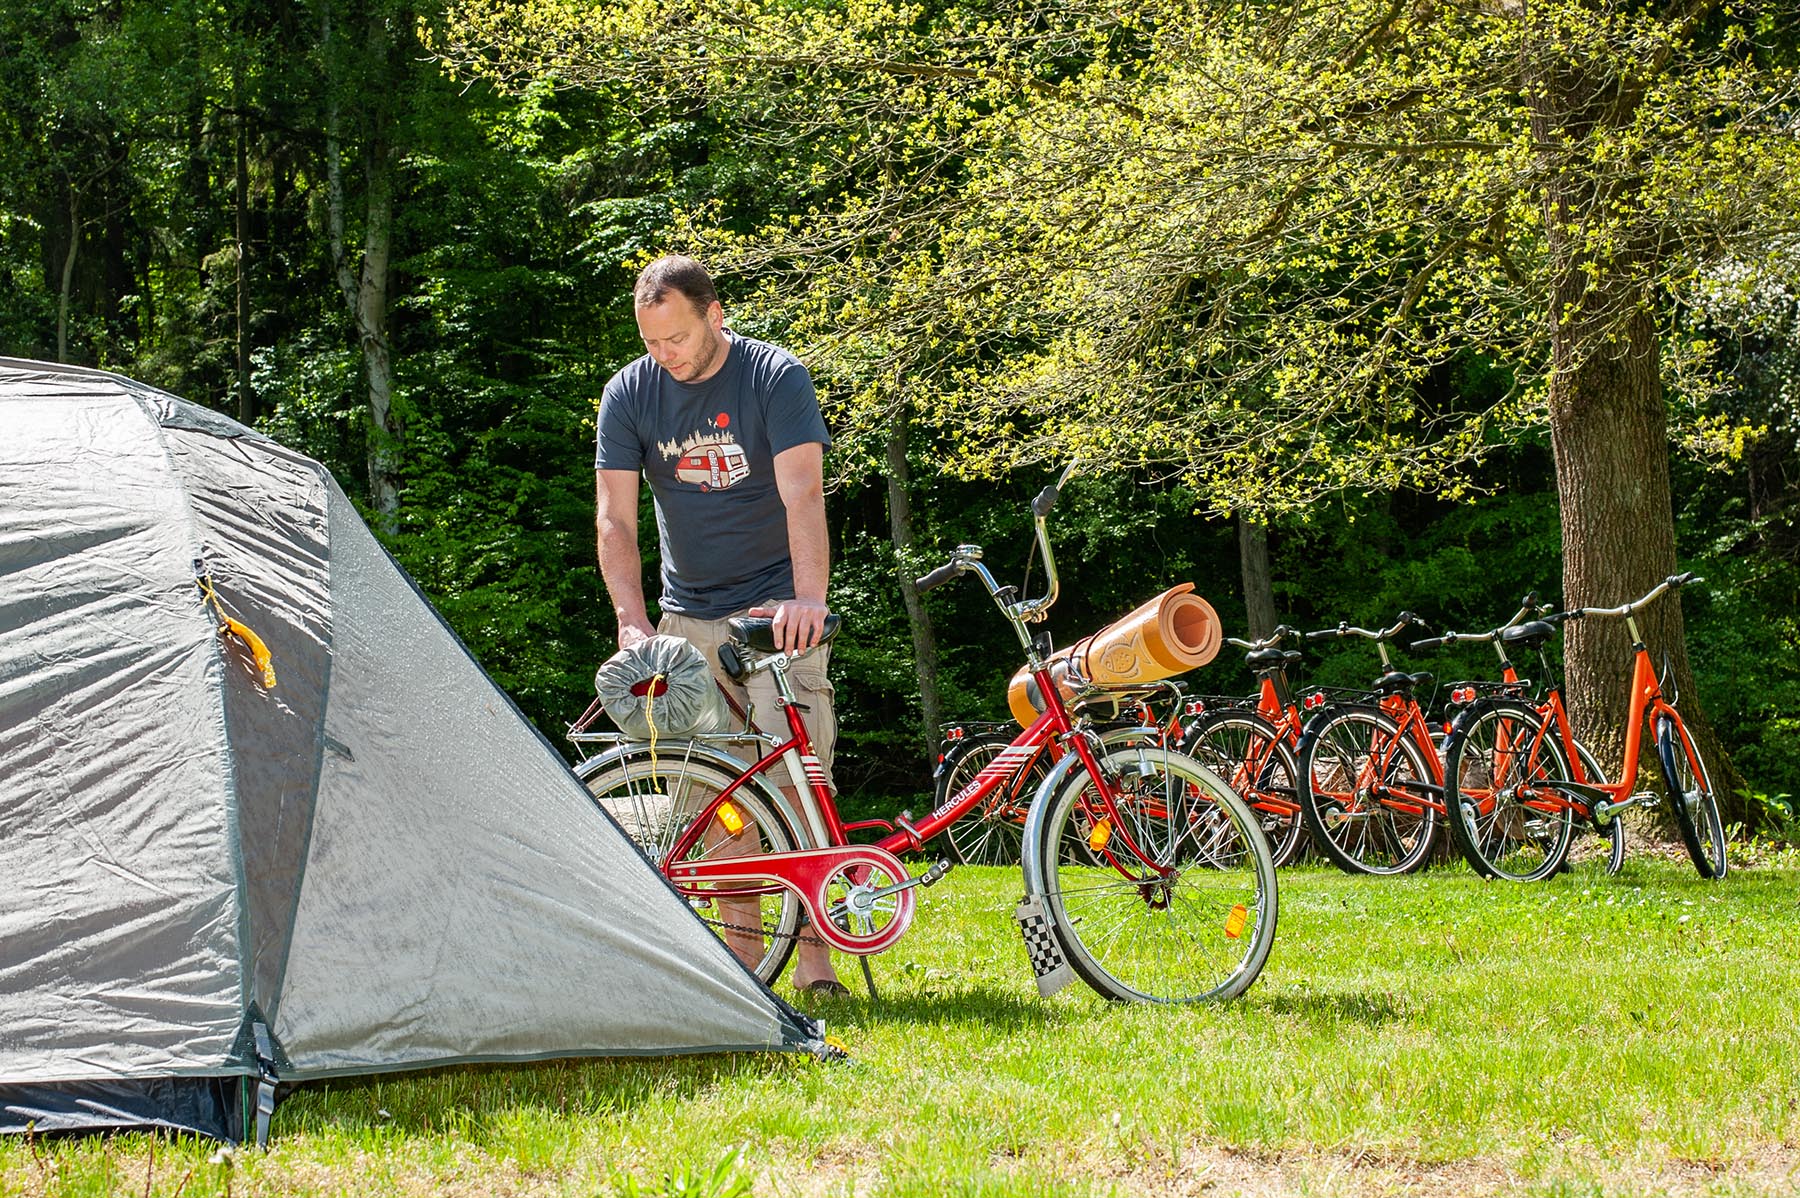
{"type": "Point", "coordinates": [1042, 946]}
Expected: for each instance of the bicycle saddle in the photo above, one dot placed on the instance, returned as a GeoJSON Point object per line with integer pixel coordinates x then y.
{"type": "Point", "coordinates": [1398, 681]}
{"type": "Point", "coordinates": [758, 632]}
{"type": "Point", "coordinates": [1264, 659]}
{"type": "Point", "coordinates": [1530, 635]}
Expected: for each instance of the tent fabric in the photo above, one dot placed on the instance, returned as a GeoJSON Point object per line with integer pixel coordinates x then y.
{"type": "Point", "coordinates": [379, 853]}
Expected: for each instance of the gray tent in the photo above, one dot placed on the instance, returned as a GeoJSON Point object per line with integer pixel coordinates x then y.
{"type": "Point", "coordinates": [208, 884]}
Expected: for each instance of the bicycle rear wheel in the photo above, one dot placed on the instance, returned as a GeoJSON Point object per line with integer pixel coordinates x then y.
{"type": "Point", "coordinates": [1362, 792]}
{"type": "Point", "coordinates": [1249, 753]}
{"type": "Point", "coordinates": [1505, 814]}
{"type": "Point", "coordinates": [994, 832]}
{"type": "Point", "coordinates": [656, 797]}
{"type": "Point", "coordinates": [1191, 919]}
{"type": "Point", "coordinates": [1691, 793]}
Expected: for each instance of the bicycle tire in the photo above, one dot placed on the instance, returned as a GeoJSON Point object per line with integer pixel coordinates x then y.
{"type": "Point", "coordinates": [655, 797]}
{"type": "Point", "coordinates": [1614, 831]}
{"type": "Point", "coordinates": [1496, 748]}
{"type": "Point", "coordinates": [1250, 754]}
{"type": "Point", "coordinates": [1355, 820]}
{"type": "Point", "coordinates": [1200, 932]}
{"type": "Point", "coordinates": [1691, 795]}
{"type": "Point", "coordinates": [994, 832]}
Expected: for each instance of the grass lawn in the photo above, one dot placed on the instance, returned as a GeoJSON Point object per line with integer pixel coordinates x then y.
{"type": "Point", "coordinates": [1424, 1035]}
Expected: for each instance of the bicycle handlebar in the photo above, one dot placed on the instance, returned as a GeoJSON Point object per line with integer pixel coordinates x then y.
{"type": "Point", "coordinates": [939, 576]}
{"type": "Point", "coordinates": [1673, 582]}
{"type": "Point", "coordinates": [1528, 607]}
{"type": "Point", "coordinates": [1344, 629]}
{"type": "Point", "coordinates": [1274, 639]}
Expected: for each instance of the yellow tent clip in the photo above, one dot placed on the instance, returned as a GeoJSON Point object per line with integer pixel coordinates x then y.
{"type": "Point", "coordinates": [230, 627]}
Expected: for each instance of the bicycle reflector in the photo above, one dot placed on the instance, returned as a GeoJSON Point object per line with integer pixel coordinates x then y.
{"type": "Point", "coordinates": [1196, 707]}
{"type": "Point", "coordinates": [1099, 835]}
{"type": "Point", "coordinates": [1462, 694]}
{"type": "Point", "coordinates": [1235, 921]}
{"type": "Point", "coordinates": [1313, 700]}
{"type": "Point", "coordinates": [953, 734]}
{"type": "Point", "coordinates": [732, 818]}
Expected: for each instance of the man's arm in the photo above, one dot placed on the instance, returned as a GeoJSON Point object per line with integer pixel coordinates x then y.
{"type": "Point", "coordinates": [800, 477]}
{"type": "Point", "coordinates": [621, 565]}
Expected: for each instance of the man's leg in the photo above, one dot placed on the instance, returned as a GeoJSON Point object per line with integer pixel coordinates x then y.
{"type": "Point", "coordinates": [810, 678]}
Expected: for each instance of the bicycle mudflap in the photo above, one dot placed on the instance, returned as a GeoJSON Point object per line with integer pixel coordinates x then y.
{"type": "Point", "coordinates": [1049, 965]}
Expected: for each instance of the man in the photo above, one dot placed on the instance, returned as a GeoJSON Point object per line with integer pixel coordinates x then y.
{"type": "Point", "coordinates": [728, 431]}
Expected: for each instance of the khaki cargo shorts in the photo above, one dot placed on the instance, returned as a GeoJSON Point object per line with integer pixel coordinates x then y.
{"type": "Point", "coordinates": [808, 676]}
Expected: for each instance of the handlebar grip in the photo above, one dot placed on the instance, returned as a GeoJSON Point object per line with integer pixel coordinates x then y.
{"type": "Point", "coordinates": [938, 577]}
{"type": "Point", "coordinates": [1323, 634]}
{"type": "Point", "coordinates": [1431, 642]}
{"type": "Point", "coordinates": [1046, 499]}
{"type": "Point", "coordinates": [1677, 580]}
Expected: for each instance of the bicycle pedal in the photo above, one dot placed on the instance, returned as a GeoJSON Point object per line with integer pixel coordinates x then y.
{"type": "Point", "coordinates": [935, 874]}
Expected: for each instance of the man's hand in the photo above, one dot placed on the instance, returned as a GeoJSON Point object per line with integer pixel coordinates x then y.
{"type": "Point", "coordinates": [633, 635]}
{"type": "Point", "coordinates": [798, 623]}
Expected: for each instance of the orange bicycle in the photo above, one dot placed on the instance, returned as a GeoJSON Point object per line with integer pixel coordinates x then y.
{"type": "Point", "coordinates": [1521, 780]}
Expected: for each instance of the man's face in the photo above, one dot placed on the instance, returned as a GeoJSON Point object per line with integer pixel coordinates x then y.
{"type": "Point", "coordinates": [684, 341]}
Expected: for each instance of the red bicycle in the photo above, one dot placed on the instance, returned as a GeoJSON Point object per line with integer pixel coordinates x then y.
{"type": "Point", "coordinates": [1172, 897]}
{"type": "Point", "coordinates": [1522, 781]}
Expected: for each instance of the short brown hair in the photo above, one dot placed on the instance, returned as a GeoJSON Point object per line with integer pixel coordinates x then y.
{"type": "Point", "coordinates": [673, 272]}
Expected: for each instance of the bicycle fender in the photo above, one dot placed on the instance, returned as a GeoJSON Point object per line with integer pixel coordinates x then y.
{"type": "Point", "coordinates": [718, 759]}
{"type": "Point", "coordinates": [1029, 861]}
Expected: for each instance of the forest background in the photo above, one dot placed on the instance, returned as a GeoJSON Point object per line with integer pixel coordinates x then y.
{"type": "Point", "coordinates": [1310, 346]}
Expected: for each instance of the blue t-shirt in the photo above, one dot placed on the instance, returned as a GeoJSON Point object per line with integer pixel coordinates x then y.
{"type": "Point", "coordinates": [708, 450]}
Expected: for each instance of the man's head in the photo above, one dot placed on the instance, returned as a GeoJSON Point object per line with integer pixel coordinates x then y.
{"type": "Point", "coordinates": [679, 318]}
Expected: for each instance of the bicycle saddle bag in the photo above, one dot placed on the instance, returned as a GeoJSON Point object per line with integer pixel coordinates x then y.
{"type": "Point", "coordinates": [758, 632]}
{"type": "Point", "coordinates": [661, 687]}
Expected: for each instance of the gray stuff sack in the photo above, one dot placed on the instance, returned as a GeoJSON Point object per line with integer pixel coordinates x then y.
{"type": "Point", "coordinates": [663, 682]}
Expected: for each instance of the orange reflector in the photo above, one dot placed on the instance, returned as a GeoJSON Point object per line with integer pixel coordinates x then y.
{"type": "Point", "coordinates": [732, 818]}
{"type": "Point", "coordinates": [1102, 832]}
{"type": "Point", "coordinates": [1235, 921]}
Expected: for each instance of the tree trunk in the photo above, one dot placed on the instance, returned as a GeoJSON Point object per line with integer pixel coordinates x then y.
{"type": "Point", "coordinates": [246, 400]}
{"type": "Point", "coordinates": [1259, 587]}
{"type": "Point", "coordinates": [899, 478]}
{"type": "Point", "coordinates": [68, 275]}
{"type": "Point", "coordinates": [365, 290]}
{"type": "Point", "coordinates": [1609, 434]}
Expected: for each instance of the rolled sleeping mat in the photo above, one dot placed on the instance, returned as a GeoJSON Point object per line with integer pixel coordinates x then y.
{"type": "Point", "coordinates": [1173, 633]}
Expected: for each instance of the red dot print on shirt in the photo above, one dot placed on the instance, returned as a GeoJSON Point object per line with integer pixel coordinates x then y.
{"type": "Point", "coordinates": [722, 420]}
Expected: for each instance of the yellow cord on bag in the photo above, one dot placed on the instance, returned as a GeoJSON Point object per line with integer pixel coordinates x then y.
{"type": "Point", "coordinates": [650, 719]}
{"type": "Point", "coordinates": [265, 664]}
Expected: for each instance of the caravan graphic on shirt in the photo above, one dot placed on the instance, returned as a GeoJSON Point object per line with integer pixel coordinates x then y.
{"type": "Point", "coordinates": [710, 458]}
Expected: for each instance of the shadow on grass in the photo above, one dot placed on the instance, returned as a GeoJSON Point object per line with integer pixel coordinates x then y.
{"type": "Point", "coordinates": [474, 1101]}
{"type": "Point", "coordinates": [997, 1009]}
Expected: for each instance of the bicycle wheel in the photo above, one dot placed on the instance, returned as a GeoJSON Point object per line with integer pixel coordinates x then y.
{"type": "Point", "coordinates": [1611, 850]}
{"type": "Point", "coordinates": [1505, 814]}
{"type": "Point", "coordinates": [1195, 923]}
{"type": "Point", "coordinates": [994, 832]}
{"type": "Point", "coordinates": [1246, 751]}
{"type": "Point", "coordinates": [1362, 792]}
{"type": "Point", "coordinates": [1691, 794]}
{"type": "Point", "coordinates": [655, 797]}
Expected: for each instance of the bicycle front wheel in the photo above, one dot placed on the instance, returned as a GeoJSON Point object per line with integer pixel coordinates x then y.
{"type": "Point", "coordinates": [1691, 793]}
{"type": "Point", "coordinates": [1364, 792]}
{"type": "Point", "coordinates": [1249, 753]}
{"type": "Point", "coordinates": [1505, 814]}
{"type": "Point", "coordinates": [656, 797]}
{"type": "Point", "coordinates": [1173, 898]}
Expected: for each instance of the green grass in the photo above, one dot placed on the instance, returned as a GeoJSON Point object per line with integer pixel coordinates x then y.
{"type": "Point", "coordinates": [1431, 1034]}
